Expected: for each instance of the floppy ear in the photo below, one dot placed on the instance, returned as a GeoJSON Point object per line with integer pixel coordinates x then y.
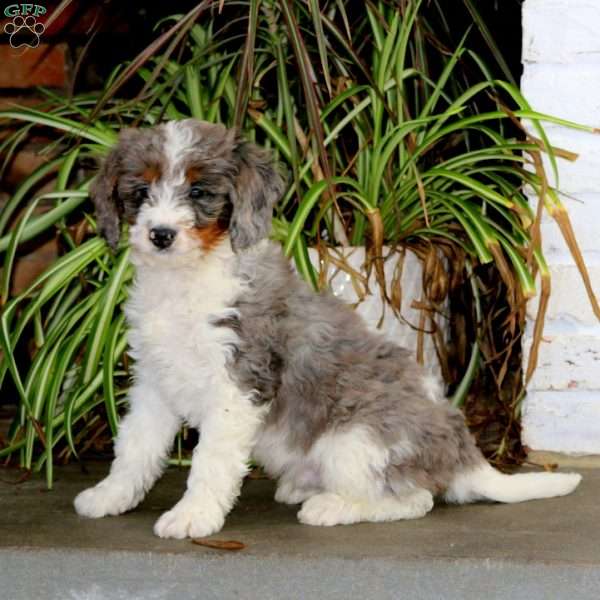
{"type": "Point", "coordinates": [103, 191]}
{"type": "Point", "coordinates": [258, 186]}
{"type": "Point", "coordinates": [103, 194]}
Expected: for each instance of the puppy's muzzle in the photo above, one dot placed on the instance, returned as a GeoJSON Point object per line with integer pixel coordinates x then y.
{"type": "Point", "coordinates": [162, 237]}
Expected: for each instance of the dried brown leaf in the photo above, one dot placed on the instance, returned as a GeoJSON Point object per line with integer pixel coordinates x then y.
{"type": "Point", "coordinates": [421, 337]}
{"type": "Point", "coordinates": [396, 284]}
{"type": "Point", "coordinates": [560, 215]}
{"type": "Point", "coordinates": [508, 276]}
{"type": "Point", "coordinates": [376, 223]}
{"type": "Point", "coordinates": [230, 545]}
{"type": "Point", "coordinates": [24, 476]}
{"type": "Point", "coordinates": [538, 327]}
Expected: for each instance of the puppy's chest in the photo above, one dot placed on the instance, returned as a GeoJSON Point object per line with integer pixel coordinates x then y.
{"type": "Point", "coordinates": [172, 329]}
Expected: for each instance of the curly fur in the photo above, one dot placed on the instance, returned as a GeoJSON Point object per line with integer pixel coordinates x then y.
{"type": "Point", "coordinates": [228, 339]}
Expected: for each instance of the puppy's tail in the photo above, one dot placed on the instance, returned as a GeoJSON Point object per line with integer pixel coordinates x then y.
{"type": "Point", "coordinates": [486, 483]}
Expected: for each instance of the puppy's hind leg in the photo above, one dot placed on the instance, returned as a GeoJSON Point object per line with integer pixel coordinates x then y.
{"type": "Point", "coordinates": [298, 482]}
{"type": "Point", "coordinates": [352, 476]}
{"type": "Point", "coordinates": [288, 492]}
{"type": "Point", "coordinates": [334, 509]}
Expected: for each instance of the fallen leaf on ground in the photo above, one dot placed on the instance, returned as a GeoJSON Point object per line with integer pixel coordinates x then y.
{"type": "Point", "coordinates": [21, 479]}
{"type": "Point", "coordinates": [231, 545]}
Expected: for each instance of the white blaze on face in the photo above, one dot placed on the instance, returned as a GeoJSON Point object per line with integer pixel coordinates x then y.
{"type": "Point", "coordinates": [165, 206]}
{"type": "Point", "coordinates": [179, 139]}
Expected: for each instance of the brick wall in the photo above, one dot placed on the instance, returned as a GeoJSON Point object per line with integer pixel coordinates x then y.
{"type": "Point", "coordinates": [561, 60]}
{"type": "Point", "coordinates": [22, 70]}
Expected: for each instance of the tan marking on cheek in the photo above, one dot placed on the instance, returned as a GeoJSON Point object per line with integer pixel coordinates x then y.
{"type": "Point", "coordinates": [209, 236]}
{"type": "Point", "coordinates": [151, 174]}
{"type": "Point", "coordinates": [193, 174]}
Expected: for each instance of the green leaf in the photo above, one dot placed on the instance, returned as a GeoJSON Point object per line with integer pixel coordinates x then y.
{"type": "Point", "coordinates": [24, 188]}
{"type": "Point", "coordinates": [88, 132]}
{"type": "Point", "coordinates": [11, 251]}
{"type": "Point", "coordinates": [108, 370]}
{"type": "Point", "coordinates": [113, 293]}
{"type": "Point", "coordinates": [38, 224]}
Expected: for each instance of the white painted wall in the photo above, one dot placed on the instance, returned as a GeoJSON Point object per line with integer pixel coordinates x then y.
{"type": "Point", "coordinates": [561, 59]}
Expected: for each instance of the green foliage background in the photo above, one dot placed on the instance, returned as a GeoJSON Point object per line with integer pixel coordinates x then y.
{"type": "Point", "coordinates": [392, 138]}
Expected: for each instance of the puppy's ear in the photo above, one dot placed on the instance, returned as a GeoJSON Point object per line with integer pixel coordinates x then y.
{"type": "Point", "coordinates": [258, 186]}
{"type": "Point", "coordinates": [103, 191]}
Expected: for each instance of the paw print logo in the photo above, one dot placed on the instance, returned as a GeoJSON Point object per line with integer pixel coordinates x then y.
{"type": "Point", "coordinates": [24, 31]}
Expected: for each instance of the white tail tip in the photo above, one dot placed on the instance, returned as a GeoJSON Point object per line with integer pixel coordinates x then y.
{"type": "Point", "coordinates": [486, 483]}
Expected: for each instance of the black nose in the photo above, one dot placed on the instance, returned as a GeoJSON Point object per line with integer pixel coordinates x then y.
{"type": "Point", "coordinates": [162, 237]}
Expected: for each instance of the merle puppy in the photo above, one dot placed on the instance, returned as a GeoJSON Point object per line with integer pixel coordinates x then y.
{"type": "Point", "coordinates": [227, 339]}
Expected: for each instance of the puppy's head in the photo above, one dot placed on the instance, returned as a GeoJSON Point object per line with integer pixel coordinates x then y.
{"type": "Point", "coordinates": [184, 187]}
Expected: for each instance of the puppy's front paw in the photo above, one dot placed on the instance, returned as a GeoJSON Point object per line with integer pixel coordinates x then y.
{"type": "Point", "coordinates": [106, 499]}
{"type": "Point", "coordinates": [189, 518]}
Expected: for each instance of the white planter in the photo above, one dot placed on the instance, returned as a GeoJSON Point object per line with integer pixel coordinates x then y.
{"type": "Point", "coordinates": [371, 307]}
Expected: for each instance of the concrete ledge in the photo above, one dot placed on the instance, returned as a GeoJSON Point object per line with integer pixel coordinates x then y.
{"type": "Point", "coordinates": [544, 549]}
{"type": "Point", "coordinates": [133, 576]}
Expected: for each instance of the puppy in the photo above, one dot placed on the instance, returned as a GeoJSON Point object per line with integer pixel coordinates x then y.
{"type": "Point", "coordinates": [227, 339]}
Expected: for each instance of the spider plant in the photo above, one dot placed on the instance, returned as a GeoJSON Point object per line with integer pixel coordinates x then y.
{"type": "Point", "coordinates": [387, 142]}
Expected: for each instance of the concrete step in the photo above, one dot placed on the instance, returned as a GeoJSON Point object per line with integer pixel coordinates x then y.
{"type": "Point", "coordinates": [543, 549]}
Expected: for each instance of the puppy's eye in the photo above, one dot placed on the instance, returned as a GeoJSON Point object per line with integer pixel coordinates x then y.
{"type": "Point", "coordinates": [140, 193]}
{"type": "Point", "coordinates": [197, 192]}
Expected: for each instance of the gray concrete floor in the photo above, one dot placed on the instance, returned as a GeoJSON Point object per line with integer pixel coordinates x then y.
{"type": "Point", "coordinates": [541, 549]}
